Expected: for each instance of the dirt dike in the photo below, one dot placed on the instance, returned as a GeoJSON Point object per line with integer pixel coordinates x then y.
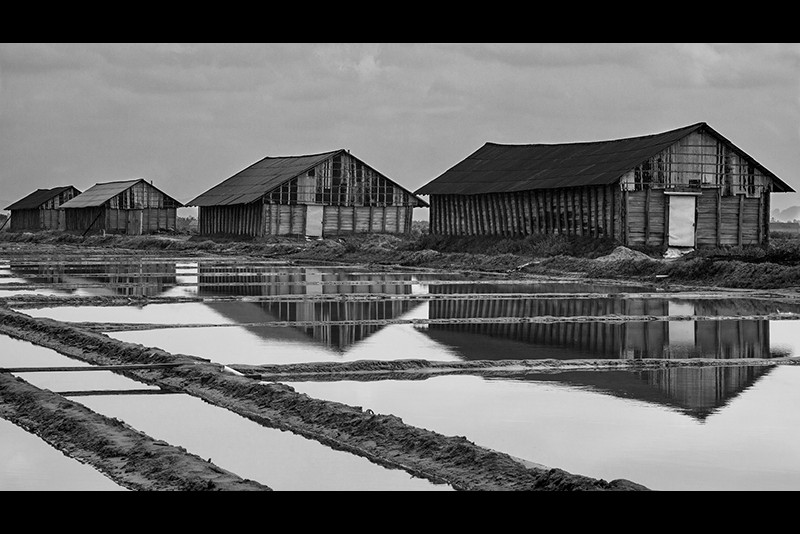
{"type": "Point", "coordinates": [383, 439]}
{"type": "Point", "coordinates": [130, 458]}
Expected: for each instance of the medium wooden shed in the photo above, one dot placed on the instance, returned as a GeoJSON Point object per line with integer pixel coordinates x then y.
{"type": "Point", "coordinates": [314, 195]}
{"type": "Point", "coordinates": [688, 187]}
{"type": "Point", "coordinates": [132, 207]}
{"type": "Point", "coordinates": [40, 210]}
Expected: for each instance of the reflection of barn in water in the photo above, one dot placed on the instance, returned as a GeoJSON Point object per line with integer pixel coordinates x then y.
{"type": "Point", "coordinates": [131, 277]}
{"type": "Point", "coordinates": [285, 280]}
{"type": "Point", "coordinates": [726, 338]}
{"type": "Point", "coordinates": [697, 391]}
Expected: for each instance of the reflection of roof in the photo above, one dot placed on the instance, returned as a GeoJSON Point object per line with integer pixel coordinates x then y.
{"type": "Point", "coordinates": [661, 387]}
{"type": "Point", "coordinates": [495, 168]}
{"type": "Point", "coordinates": [263, 176]}
{"type": "Point", "coordinates": [38, 197]}
{"type": "Point", "coordinates": [99, 194]}
{"type": "Point", "coordinates": [335, 337]}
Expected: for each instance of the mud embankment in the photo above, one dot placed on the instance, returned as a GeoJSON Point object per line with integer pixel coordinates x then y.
{"type": "Point", "coordinates": [130, 458]}
{"type": "Point", "coordinates": [383, 439]}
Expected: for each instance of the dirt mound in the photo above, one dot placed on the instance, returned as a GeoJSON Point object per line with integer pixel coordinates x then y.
{"type": "Point", "coordinates": [625, 254]}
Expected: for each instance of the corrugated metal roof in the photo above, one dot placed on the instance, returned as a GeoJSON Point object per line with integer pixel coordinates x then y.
{"type": "Point", "coordinates": [38, 197]}
{"type": "Point", "coordinates": [99, 194]}
{"type": "Point", "coordinates": [261, 177]}
{"type": "Point", "coordinates": [496, 168]}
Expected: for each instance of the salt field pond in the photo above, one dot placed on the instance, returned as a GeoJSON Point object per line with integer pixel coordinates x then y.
{"type": "Point", "coordinates": [710, 427]}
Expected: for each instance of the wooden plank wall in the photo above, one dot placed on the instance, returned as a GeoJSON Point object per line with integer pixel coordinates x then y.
{"type": "Point", "coordinates": [719, 220]}
{"type": "Point", "coordinates": [284, 219]}
{"type": "Point", "coordinates": [34, 220]}
{"type": "Point", "coordinates": [582, 211]}
{"type": "Point", "coordinates": [51, 219]}
{"type": "Point", "coordinates": [238, 219]}
{"type": "Point", "coordinates": [638, 218]}
{"type": "Point", "coordinates": [647, 217]}
{"type": "Point", "coordinates": [80, 219]}
{"type": "Point", "coordinates": [290, 219]}
{"type": "Point", "coordinates": [154, 220]}
{"type": "Point", "coordinates": [379, 219]}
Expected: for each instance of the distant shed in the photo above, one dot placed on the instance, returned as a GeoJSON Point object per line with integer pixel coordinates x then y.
{"type": "Point", "coordinates": [323, 194]}
{"type": "Point", "coordinates": [688, 187]}
{"type": "Point", "coordinates": [40, 210]}
{"type": "Point", "coordinates": [131, 207]}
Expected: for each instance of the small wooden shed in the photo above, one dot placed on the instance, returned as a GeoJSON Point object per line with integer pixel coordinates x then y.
{"type": "Point", "coordinates": [688, 187]}
{"type": "Point", "coordinates": [131, 207]}
{"type": "Point", "coordinates": [317, 195]}
{"type": "Point", "coordinates": [40, 210]}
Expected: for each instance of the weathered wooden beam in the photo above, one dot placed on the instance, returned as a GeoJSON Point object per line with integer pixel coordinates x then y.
{"type": "Point", "coordinates": [741, 218]}
{"type": "Point", "coordinates": [647, 216]}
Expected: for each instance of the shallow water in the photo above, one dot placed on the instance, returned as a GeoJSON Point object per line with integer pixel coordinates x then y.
{"type": "Point", "coordinates": [747, 443]}
{"type": "Point", "coordinates": [281, 460]}
{"type": "Point", "coordinates": [709, 428]}
{"type": "Point", "coordinates": [29, 464]}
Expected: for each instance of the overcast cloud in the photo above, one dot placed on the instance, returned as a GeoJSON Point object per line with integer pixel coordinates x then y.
{"type": "Point", "coordinates": [188, 116]}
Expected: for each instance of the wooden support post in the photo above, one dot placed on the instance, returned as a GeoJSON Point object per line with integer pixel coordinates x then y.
{"type": "Point", "coordinates": [493, 211]}
{"type": "Point", "coordinates": [647, 216]}
{"type": "Point", "coordinates": [625, 218]}
{"type": "Point", "coordinates": [547, 208]}
{"type": "Point", "coordinates": [528, 215]}
{"type": "Point", "coordinates": [575, 226]}
{"type": "Point", "coordinates": [512, 201]}
{"type": "Point", "coordinates": [539, 211]}
{"type": "Point", "coordinates": [450, 215]}
{"type": "Point", "coordinates": [741, 217]}
{"type": "Point", "coordinates": [765, 196]}
{"type": "Point", "coordinates": [490, 204]}
{"type": "Point", "coordinates": [612, 190]}
{"type": "Point", "coordinates": [719, 217]}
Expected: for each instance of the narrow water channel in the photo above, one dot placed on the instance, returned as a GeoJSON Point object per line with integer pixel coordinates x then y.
{"type": "Point", "coordinates": [281, 460]}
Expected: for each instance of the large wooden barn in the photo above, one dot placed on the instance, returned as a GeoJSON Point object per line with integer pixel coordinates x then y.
{"type": "Point", "coordinates": [40, 210]}
{"type": "Point", "coordinates": [316, 195]}
{"type": "Point", "coordinates": [688, 187]}
{"type": "Point", "coordinates": [131, 207]}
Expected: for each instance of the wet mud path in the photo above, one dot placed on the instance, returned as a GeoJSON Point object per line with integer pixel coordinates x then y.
{"type": "Point", "coordinates": [383, 439]}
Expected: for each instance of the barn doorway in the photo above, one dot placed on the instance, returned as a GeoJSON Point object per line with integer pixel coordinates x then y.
{"type": "Point", "coordinates": [314, 221]}
{"type": "Point", "coordinates": [681, 220]}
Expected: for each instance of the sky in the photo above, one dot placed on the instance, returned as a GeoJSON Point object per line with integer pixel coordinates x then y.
{"type": "Point", "coordinates": [187, 116]}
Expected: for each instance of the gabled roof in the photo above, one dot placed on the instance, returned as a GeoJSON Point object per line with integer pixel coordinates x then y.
{"type": "Point", "coordinates": [496, 168]}
{"type": "Point", "coordinates": [99, 194]}
{"type": "Point", "coordinates": [253, 182]}
{"type": "Point", "coordinates": [258, 179]}
{"type": "Point", "coordinates": [38, 197]}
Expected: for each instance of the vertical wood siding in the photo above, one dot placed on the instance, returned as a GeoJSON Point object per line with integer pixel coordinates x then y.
{"type": "Point", "coordinates": [579, 211]}
{"type": "Point", "coordinates": [638, 218]}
